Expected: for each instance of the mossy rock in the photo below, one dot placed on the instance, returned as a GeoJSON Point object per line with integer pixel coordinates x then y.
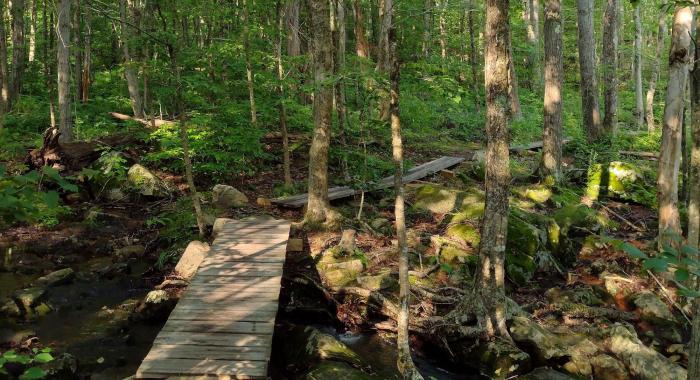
{"type": "Point", "coordinates": [452, 254]}
{"type": "Point", "coordinates": [380, 281]}
{"type": "Point", "coordinates": [465, 233]}
{"type": "Point", "coordinates": [441, 200]}
{"type": "Point", "coordinates": [146, 182]}
{"type": "Point", "coordinates": [306, 346]}
{"type": "Point", "coordinates": [336, 371]}
{"type": "Point", "coordinates": [538, 194]}
{"type": "Point", "coordinates": [621, 180]}
{"type": "Point", "coordinates": [496, 359]}
{"type": "Point", "coordinates": [578, 216]}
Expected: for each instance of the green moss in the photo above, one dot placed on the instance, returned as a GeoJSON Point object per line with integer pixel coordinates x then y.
{"type": "Point", "coordinates": [465, 233]}
{"type": "Point", "coordinates": [535, 193]}
{"type": "Point", "coordinates": [451, 254]}
{"type": "Point", "coordinates": [575, 216]}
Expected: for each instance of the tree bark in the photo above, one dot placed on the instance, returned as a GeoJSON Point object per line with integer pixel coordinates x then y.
{"type": "Point", "coordinates": [515, 110]}
{"type": "Point", "coordinates": [18, 58]}
{"type": "Point", "coordinates": [87, 57]}
{"type": "Point", "coordinates": [661, 34]}
{"type": "Point", "coordinates": [249, 65]}
{"type": "Point", "coordinates": [491, 273]}
{"type": "Point", "coordinates": [550, 166]}
{"type": "Point", "coordinates": [670, 155]}
{"type": "Point", "coordinates": [694, 170]}
{"type": "Point", "coordinates": [77, 51]}
{"type": "Point", "coordinates": [385, 15]}
{"type": "Point", "coordinates": [65, 122]}
{"type": "Point", "coordinates": [638, 90]}
{"type": "Point", "coordinates": [361, 44]}
{"type": "Point", "coordinates": [609, 62]}
{"type": "Point", "coordinates": [442, 22]}
{"type": "Point", "coordinates": [339, 40]}
{"type": "Point", "coordinates": [32, 30]}
{"type": "Point", "coordinates": [427, 27]}
{"type": "Point", "coordinates": [694, 344]}
{"type": "Point", "coordinates": [476, 81]}
{"type": "Point", "coordinates": [4, 74]}
{"type": "Point", "coordinates": [318, 209]}
{"type": "Point", "coordinates": [292, 24]}
{"type": "Point", "coordinates": [532, 19]}
{"type": "Point", "coordinates": [286, 165]}
{"type": "Point", "coordinates": [589, 85]}
{"type": "Point", "coordinates": [132, 81]}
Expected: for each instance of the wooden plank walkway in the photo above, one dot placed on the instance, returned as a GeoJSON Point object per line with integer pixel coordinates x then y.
{"type": "Point", "coordinates": [412, 174]}
{"type": "Point", "coordinates": [222, 326]}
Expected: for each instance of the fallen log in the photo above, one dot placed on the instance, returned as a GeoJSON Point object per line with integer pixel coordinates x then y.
{"type": "Point", "coordinates": [645, 155]}
{"type": "Point", "coordinates": [71, 157]}
{"type": "Point", "coordinates": [153, 123]}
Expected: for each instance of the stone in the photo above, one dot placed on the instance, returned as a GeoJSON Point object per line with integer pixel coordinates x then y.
{"type": "Point", "coordinates": [347, 241]}
{"type": "Point", "coordinates": [652, 308]}
{"type": "Point", "coordinates": [30, 297]}
{"type": "Point", "coordinates": [342, 273]}
{"type": "Point", "coordinates": [147, 183]}
{"type": "Point", "coordinates": [583, 295]}
{"type": "Point", "coordinates": [329, 370]}
{"type": "Point", "coordinates": [464, 233]}
{"type": "Point", "coordinates": [451, 254]}
{"type": "Point", "coordinates": [64, 366]}
{"type": "Point", "coordinates": [383, 280]}
{"type": "Point", "coordinates": [42, 309]}
{"type": "Point", "coordinates": [218, 226]}
{"type": "Point", "coordinates": [524, 241]}
{"type": "Point", "coordinates": [129, 252]}
{"type": "Point", "coordinates": [535, 193]}
{"type": "Point", "coordinates": [172, 283]}
{"type": "Point", "coordinates": [263, 202]}
{"type": "Point", "coordinates": [189, 261]}
{"type": "Point", "coordinates": [545, 373]}
{"type": "Point", "coordinates": [605, 367]}
{"type": "Point", "coordinates": [435, 199]}
{"type": "Point", "coordinates": [295, 245]}
{"type": "Point", "coordinates": [10, 309]}
{"type": "Point", "coordinates": [644, 363]}
{"type": "Point", "coordinates": [114, 194]}
{"type": "Point", "coordinates": [306, 346]}
{"type": "Point", "coordinates": [12, 337]}
{"type": "Point", "coordinates": [498, 359]}
{"type": "Point", "coordinates": [379, 223]}
{"type": "Point", "coordinates": [155, 307]}
{"type": "Point", "coordinates": [56, 278]}
{"type": "Point", "coordinates": [225, 196]}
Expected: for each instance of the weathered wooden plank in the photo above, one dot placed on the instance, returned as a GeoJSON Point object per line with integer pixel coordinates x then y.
{"type": "Point", "coordinates": [249, 369]}
{"type": "Point", "coordinates": [219, 326]}
{"type": "Point", "coordinates": [213, 339]}
{"type": "Point", "coordinates": [245, 272]}
{"type": "Point", "coordinates": [237, 315]}
{"type": "Point", "coordinates": [182, 351]}
{"type": "Point", "coordinates": [213, 299]}
{"type": "Point", "coordinates": [266, 281]}
{"type": "Point", "coordinates": [412, 174]}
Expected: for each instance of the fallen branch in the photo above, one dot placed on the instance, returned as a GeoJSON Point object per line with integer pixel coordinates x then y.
{"type": "Point", "coordinates": [153, 123]}
{"type": "Point", "coordinates": [645, 155]}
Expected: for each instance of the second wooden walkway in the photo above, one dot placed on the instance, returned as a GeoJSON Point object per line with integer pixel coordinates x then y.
{"type": "Point", "coordinates": [222, 326]}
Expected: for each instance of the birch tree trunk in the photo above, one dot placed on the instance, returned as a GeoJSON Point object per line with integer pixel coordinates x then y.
{"type": "Point", "coordinates": [65, 122]}
{"type": "Point", "coordinates": [427, 27]}
{"type": "Point", "coordinates": [661, 34]}
{"type": "Point", "coordinates": [361, 44]}
{"type": "Point", "coordinates": [589, 85]}
{"type": "Point", "coordinates": [609, 63]}
{"type": "Point", "coordinates": [249, 65]}
{"type": "Point", "coordinates": [17, 11]}
{"type": "Point", "coordinates": [286, 166]}
{"type": "Point", "coordinates": [132, 81]}
{"type": "Point", "coordinates": [670, 155]}
{"type": "Point", "coordinates": [32, 30]}
{"type": "Point", "coordinates": [550, 167]}
{"type": "Point", "coordinates": [443, 28]}
{"type": "Point", "coordinates": [318, 209]}
{"type": "Point", "coordinates": [4, 74]}
{"type": "Point", "coordinates": [404, 361]}
{"type": "Point", "coordinates": [494, 227]}
{"type": "Point", "coordinates": [638, 90]}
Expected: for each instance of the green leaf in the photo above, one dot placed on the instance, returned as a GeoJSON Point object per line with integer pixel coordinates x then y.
{"type": "Point", "coordinates": [43, 357]}
{"type": "Point", "coordinates": [682, 275]}
{"type": "Point", "coordinates": [51, 199]}
{"type": "Point", "coordinates": [656, 264]}
{"type": "Point", "coordinates": [690, 293]}
{"type": "Point", "coordinates": [690, 250]}
{"type": "Point", "coordinates": [33, 373]}
{"type": "Point", "coordinates": [634, 251]}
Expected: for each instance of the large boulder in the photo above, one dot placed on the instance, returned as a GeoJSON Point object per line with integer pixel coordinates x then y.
{"type": "Point", "coordinates": [652, 308]}
{"type": "Point", "coordinates": [56, 278]}
{"type": "Point", "coordinates": [147, 183]}
{"type": "Point", "coordinates": [342, 273]}
{"type": "Point", "coordinates": [225, 196]}
{"type": "Point", "coordinates": [305, 346]}
{"type": "Point", "coordinates": [189, 261]}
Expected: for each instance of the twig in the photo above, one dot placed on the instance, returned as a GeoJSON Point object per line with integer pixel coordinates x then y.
{"type": "Point", "coordinates": [668, 297]}
{"type": "Point", "coordinates": [627, 222]}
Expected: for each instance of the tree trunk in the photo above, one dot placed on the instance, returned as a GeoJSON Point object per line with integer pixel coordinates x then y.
{"type": "Point", "coordinates": [385, 15]}
{"type": "Point", "coordinates": [491, 273]}
{"type": "Point", "coordinates": [361, 44]}
{"type": "Point", "coordinates": [32, 30]}
{"type": "Point", "coordinates": [694, 175]}
{"type": "Point", "coordinates": [339, 39]}
{"type": "Point", "coordinates": [532, 19]}
{"type": "Point", "coordinates": [661, 34]}
{"type": "Point", "coordinates": [515, 110]}
{"type": "Point", "coordinates": [4, 74]}
{"type": "Point", "coordinates": [280, 89]}
{"type": "Point", "coordinates": [550, 166]}
{"type": "Point", "coordinates": [427, 27]}
{"type": "Point", "coordinates": [249, 65]}
{"type": "Point", "coordinates": [589, 85]}
{"type": "Point", "coordinates": [292, 23]}
{"type": "Point", "coordinates": [638, 91]}
{"type": "Point", "coordinates": [609, 63]}
{"type": "Point", "coordinates": [132, 81]}
{"type": "Point", "coordinates": [87, 57]}
{"type": "Point", "coordinates": [77, 51]}
{"type": "Point", "coordinates": [404, 361]}
{"type": "Point", "coordinates": [443, 29]}
{"type": "Point", "coordinates": [17, 10]}
{"type": "Point", "coordinates": [318, 209]}
{"type": "Point", "coordinates": [669, 158]}
{"type": "Point", "coordinates": [476, 81]}
{"type": "Point", "coordinates": [65, 122]}
{"type": "Point", "coordinates": [694, 344]}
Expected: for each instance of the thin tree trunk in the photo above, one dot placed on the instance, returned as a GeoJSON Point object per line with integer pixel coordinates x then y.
{"type": "Point", "coordinates": [609, 63]}
{"type": "Point", "coordinates": [476, 81]}
{"type": "Point", "coordinates": [280, 89]}
{"type": "Point", "coordinates": [292, 23]}
{"type": "Point", "coordinates": [361, 44]}
{"type": "Point", "coordinates": [494, 227]}
{"type": "Point", "coordinates": [18, 58]}
{"type": "Point", "coordinates": [4, 74]}
{"type": "Point", "coordinates": [87, 57]}
{"type": "Point", "coordinates": [661, 34]}
{"type": "Point", "coordinates": [694, 344]}
{"type": "Point", "coordinates": [515, 110]}
{"type": "Point", "coordinates": [442, 22]}
{"type": "Point", "coordinates": [589, 85]}
{"type": "Point", "coordinates": [550, 166]}
{"type": "Point", "coordinates": [319, 210]}
{"type": "Point", "coordinates": [77, 51]}
{"type": "Point", "coordinates": [249, 65]}
{"type": "Point", "coordinates": [404, 361]}
{"type": "Point", "coordinates": [339, 39]}
{"type": "Point", "coordinates": [132, 81]}
{"type": "Point", "coordinates": [65, 122]}
{"type": "Point", "coordinates": [427, 27]}
{"type": "Point", "coordinates": [694, 176]}
{"type": "Point", "coordinates": [32, 30]}
{"type": "Point", "coordinates": [670, 156]}
{"type": "Point", "coordinates": [638, 90]}
{"type": "Point", "coordinates": [532, 18]}
{"type": "Point", "coordinates": [385, 15]}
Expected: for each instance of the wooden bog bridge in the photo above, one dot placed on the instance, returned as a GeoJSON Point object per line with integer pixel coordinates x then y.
{"type": "Point", "coordinates": [222, 326]}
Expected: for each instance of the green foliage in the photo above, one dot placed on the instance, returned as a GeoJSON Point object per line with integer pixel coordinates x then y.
{"type": "Point", "coordinates": [29, 361]}
{"type": "Point", "coordinates": [23, 198]}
